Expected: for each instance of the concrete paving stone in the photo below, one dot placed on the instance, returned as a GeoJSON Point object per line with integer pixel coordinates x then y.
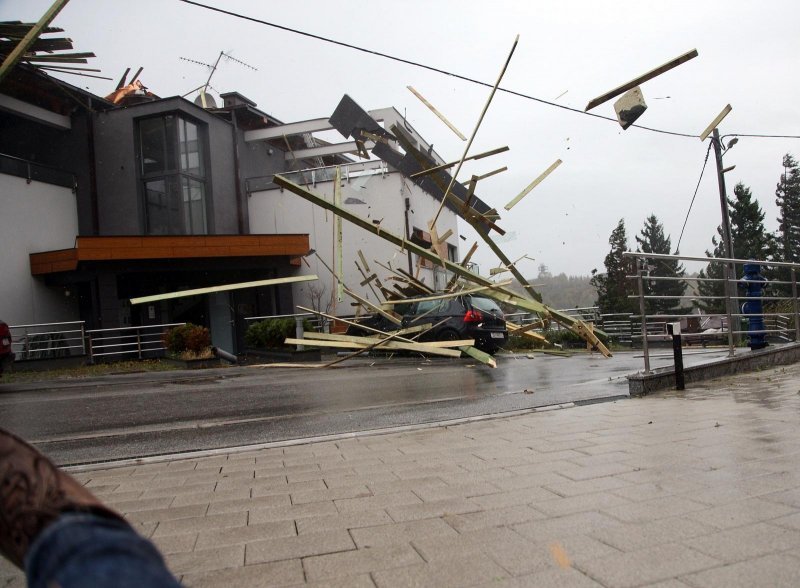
{"type": "Point", "coordinates": [269, 471]}
{"type": "Point", "coordinates": [144, 529]}
{"type": "Point", "coordinates": [476, 476]}
{"type": "Point", "coordinates": [131, 495]}
{"type": "Point", "coordinates": [170, 544]}
{"type": "Point", "coordinates": [583, 502]}
{"type": "Point", "coordinates": [239, 535]}
{"type": "Point", "coordinates": [532, 495]}
{"type": "Point", "coordinates": [559, 528]}
{"type": "Point", "coordinates": [198, 524]}
{"type": "Point", "coordinates": [483, 519]}
{"type": "Point", "coordinates": [355, 463]}
{"type": "Point", "coordinates": [357, 491]}
{"type": "Point", "coordinates": [527, 481]}
{"type": "Point", "coordinates": [445, 574]}
{"type": "Point", "coordinates": [178, 490]}
{"type": "Point", "coordinates": [294, 511]}
{"type": "Point", "coordinates": [279, 573]}
{"type": "Point", "coordinates": [270, 489]}
{"type": "Point", "coordinates": [775, 570]}
{"type": "Point", "coordinates": [602, 470]}
{"type": "Point", "coordinates": [206, 560]}
{"type": "Point", "coordinates": [431, 493]}
{"type": "Point", "coordinates": [126, 506]}
{"type": "Point", "coordinates": [168, 514]}
{"type": "Point", "coordinates": [427, 510]}
{"type": "Point", "coordinates": [610, 457]}
{"type": "Point", "coordinates": [331, 460]}
{"type": "Point", "coordinates": [427, 471]}
{"type": "Point", "coordinates": [465, 543]}
{"type": "Point", "coordinates": [657, 474]}
{"type": "Point", "coordinates": [361, 561]}
{"type": "Point", "coordinates": [573, 488]}
{"type": "Point", "coordinates": [791, 521]}
{"type": "Point", "coordinates": [403, 485]}
{"type": "Point", "coordinates": [657, 508]}
{"type": "Point", "coordinates": [181, 465]}
{"type": "Point", "coordinates": [551, 578]}
{"type": "Point", "coordinates": [299, 546]}
{"type": "Point", "coordinates": [661, 489]}
{"type": "Point", "coordinates": [209, 497]}
{"type": "Point", "coordinates": [747, 542]}
{"type": "Point", "coordinates": [645, 566]}
{"type": "Point", "coordinates": [249, 504]}
{"type": "Point", "coordinates": [743, 512]}
{"type": "Point", "coordinates": [730, 474]}
{"type": "Point", "coordinates": [398, 533]}
{"type": "Point", "coordinates": [377, 502]}
{"type": "Point", "coordinates": [671, 583]}
{"type": "Point", "coordinates": [354, 520]}
{"type": "Point", "coordinates": [355, 478]}
{"type": "Point", "coordinates": [630, 537]}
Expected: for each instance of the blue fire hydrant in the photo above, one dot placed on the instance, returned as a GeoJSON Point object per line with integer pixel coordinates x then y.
{"type": "Point", "coordinates": [754, 309]}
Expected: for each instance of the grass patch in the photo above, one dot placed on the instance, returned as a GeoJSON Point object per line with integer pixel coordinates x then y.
{"type": "Point", "coordinates": [87, 371]}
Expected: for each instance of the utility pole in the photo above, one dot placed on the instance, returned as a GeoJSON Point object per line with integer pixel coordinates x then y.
{"type": "Point", "coordinates": [730, 268]}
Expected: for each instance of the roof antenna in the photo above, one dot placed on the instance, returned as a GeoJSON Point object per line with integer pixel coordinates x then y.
{"type": "Point", "coordinates": [202, 99]}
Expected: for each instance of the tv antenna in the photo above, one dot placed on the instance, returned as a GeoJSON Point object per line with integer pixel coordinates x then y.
{"type": "Point", "coordinates": [202, 88]}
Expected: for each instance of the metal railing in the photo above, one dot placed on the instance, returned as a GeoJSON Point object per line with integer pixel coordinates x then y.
{"type": "Point", "coordinates": [32, 171]}
{"type": "Point", "coordinates": [138, 342]}
{"type": "Point", "coordinates": [713, 326]}
{"type": "Point", "coordinates": [48, 340]}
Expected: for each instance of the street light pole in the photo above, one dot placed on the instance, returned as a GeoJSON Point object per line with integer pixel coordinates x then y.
{"type": "Point", "coordinates": [730, 270]}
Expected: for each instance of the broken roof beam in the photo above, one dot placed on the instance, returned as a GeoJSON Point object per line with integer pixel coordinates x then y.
{"type": "Point", "coordinates": [444, 166]}
{"type": "Point", "coordinates": [441, 117]}
{"type": "Point", "coordinates": [450, 294]}
{"type": "Point", "coordinates": [641, 79]}
{"type": "Point", "coordinates": [324, 150]}
{"type": "Point", "coordinates": [396, 345]}
{"type": "Point", "coordinates": [224, 288]}
{"type": "Point", "coordinates": [533, 184]}
{"type": "Point", "coordinates": [18, 53]}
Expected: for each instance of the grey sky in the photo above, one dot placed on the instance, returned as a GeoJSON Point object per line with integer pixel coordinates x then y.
{"type": "Point", "coordinates": [748, 56]}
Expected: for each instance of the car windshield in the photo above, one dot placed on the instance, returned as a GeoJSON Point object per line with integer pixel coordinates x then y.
{"type": "Point", "coordinates": [485, 304]}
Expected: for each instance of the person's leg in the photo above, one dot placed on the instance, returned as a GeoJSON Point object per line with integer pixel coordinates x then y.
{"type": "Point", "coordinates": [61, 533]}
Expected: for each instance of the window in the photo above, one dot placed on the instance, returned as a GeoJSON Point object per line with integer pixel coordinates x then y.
{"type": "Point", "coordinates": [173, 175]}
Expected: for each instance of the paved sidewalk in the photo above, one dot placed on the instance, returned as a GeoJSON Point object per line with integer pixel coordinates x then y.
{"type": "Point", "coordinates": [673, 490]}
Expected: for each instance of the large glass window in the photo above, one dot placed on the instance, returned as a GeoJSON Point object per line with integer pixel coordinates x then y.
{"type": "Point", "coordinates": [173, 174]}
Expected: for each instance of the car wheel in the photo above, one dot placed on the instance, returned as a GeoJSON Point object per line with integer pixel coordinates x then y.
{"type": "Point", "coordinates": [448, 335]}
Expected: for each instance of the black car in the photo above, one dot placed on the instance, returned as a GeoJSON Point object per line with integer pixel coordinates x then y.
{"type": "Point", "coordinates": [464, 317]}
{"type": "Point", "coordinates": [6, 355]}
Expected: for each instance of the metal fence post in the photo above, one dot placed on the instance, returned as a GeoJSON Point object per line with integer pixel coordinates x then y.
{"type": "Point", "coordinates": [796, 305]}
{"type": "Point", "coordinates": [645, 348]}
{"type": "Point", "coordinates": [139, 343]}
{"type": "Point", "coordinates": [83, 338]}
{"type": "Point", "coordinates": [728, 302]}
{"type": "Point", "coordinates": [299, 331]}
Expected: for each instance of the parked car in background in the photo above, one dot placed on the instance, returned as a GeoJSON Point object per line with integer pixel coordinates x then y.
{"type": "Point", "coordinates": [6, 355]}
{"type": "Point", "coordinates": [463, 317]}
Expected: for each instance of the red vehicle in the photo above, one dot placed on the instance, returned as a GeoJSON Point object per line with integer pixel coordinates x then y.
{"type": "Point", "coordinates": [6, 355]}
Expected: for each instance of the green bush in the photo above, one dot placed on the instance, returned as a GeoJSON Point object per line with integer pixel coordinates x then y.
{"type": "Point", "coordinates": [188, 337]}
{"type": "Point", "coordinates": [271, 333]}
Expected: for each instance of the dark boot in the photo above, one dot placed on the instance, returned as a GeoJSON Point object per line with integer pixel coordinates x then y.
{"type": "Point", "coordinates": [33, 493]}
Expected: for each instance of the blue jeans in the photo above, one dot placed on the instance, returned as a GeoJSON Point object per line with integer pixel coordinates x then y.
{"type": "Point", "coordinates": [88, 550]}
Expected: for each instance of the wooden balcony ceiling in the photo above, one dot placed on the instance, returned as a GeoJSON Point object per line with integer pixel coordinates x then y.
{"type": "Point", "coordinates": [172, 247]}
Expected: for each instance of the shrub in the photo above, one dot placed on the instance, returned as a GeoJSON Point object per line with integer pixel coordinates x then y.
{"type": "Point", "coordinates": [271, 333]}
{"type": "Point", "coordinates": [192, 338]}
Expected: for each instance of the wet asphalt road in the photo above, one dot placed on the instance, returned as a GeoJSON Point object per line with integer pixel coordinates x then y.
{"type": "Point", "coordinates": [137, 415]}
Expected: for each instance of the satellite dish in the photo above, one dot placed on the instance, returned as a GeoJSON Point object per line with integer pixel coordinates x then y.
{"type": "Point", "coordinates": [205, 100]}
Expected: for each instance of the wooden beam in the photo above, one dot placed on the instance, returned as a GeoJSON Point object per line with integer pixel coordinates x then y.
{"type": "Point", "coordinates": [30, 38]}
{"type": "Point", "coordinates": [238, 286]}
{"type": "Point", "coordinates": [396, 345]}
{"type": "Point", "coordinates": [437, 113]}
{"type": "Point", "coordinates": [715, 123]}
{"type": "Point", "coordinates": [374, 307]}
{"type": "Point", "coordinates": [450, 294]}
{"type": "Point", "coordinates": [444, 166]}
{"type": "Point", "coordinates": [641, 79]}
{"type": "Point", "coordinates": [533, 184]}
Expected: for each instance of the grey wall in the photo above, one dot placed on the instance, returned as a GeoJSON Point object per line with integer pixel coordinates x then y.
{"type": "Point", "coordinates": [119, 191]}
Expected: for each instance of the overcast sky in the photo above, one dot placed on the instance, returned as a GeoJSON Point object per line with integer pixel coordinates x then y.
{"type": "Point", "coordinates": [568, 52]}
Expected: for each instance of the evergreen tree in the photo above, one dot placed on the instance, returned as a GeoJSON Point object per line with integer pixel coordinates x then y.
{"type": "Point", "coordinates": [750, 241]}
{"type": "Point", "coordinates": [788, 201]}
{"type": "Point", "coordinates": [653, 240]}
{"type": "Point", "coordinates": [612, 287]}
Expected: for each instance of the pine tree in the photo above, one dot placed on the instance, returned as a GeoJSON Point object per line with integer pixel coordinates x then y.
{"type": "Point", "coordinates": [788, 201]}
{"type": "Point", "coordinates": [653, 240]}
{"type": "Point", "coordinates": [750, 241]}
{"type": "Point", "coordinates": [612, 286]}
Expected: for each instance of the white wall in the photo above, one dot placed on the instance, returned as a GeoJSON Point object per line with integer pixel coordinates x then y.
{"type": "Point", "coordinates": [374, 197]}
{"type": "Point", "coordinates": [34, 217]}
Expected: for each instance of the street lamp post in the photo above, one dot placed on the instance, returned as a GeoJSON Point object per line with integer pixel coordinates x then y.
{"type": "Point", "coordinates": [730, 270]}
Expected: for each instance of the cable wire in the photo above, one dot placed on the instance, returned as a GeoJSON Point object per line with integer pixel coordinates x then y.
{"type": "Point", "coordinates": [686, 220]}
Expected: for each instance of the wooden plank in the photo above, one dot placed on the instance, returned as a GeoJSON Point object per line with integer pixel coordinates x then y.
{"type": "Point", "coordinates": [533, 184]}
{"type": "Point", "coordinates": [30, 38]}
{"type": "Point", "coordinates": [374, 307]}
{"type": "Point", "coordinates": [370, 340]}
{"type": "Point", "coordinates": [437, 113]}
{"type": "Point", "coordinates": [239, 286]}
{"type": "Point", "coordinates": [714, 123]}
{"type": "Point", "coordinates": [481, 356]}
{"type": "Point", "coordinates": [641, 79]}
{"type": "Point", "coordinates": [396, 345]}
{"type": "Point", "coordinates": [444, 166]}
{"type": "Point", "coordinates": [451, 294]}
{"type": "Point", "coordinates": [475, 131]}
